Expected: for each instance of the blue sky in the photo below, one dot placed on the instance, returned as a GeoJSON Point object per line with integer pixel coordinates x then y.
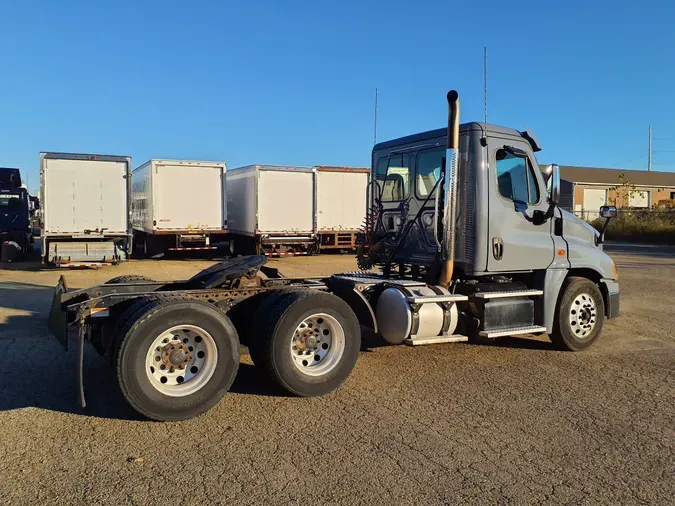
{"type": "Point", "coordinates": [293, 82]}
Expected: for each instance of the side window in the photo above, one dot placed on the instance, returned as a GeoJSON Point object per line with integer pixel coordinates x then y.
{"type": "Point", "coordinates": [532, 183]}
{"type": "Point", "coordinates": [396, 170]}
{"type": "Point", "coordinates": [428, 170]}
{"type": "Point", "coordinates": [515, 178]}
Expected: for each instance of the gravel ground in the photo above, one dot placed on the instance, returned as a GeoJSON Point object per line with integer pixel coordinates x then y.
{"type": "Point", "coordinates": [511, 423]}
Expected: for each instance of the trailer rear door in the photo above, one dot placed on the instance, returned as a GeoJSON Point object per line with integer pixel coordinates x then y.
{"type": "Point", "coordinates": [285, 201]}
{"type": "Point", "coordinates": [85, 195]}
{"type": "Point", "coordinates": [189, 197]}
{"type": "Point", "coordinates": [341, 199]}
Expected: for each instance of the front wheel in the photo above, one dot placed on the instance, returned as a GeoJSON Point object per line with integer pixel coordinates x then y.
{"type": "Point", "coordinates": [307, 341]}
{"type": "Point", "coordinates": [579, 316]}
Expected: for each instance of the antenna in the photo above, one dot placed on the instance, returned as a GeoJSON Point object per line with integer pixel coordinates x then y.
{"type": "Point", "coordinates": [485, 89]}
{"type": "Point", "coordinates": [649, 159]}
{"type": "Point", "coordinates": [375, 128]}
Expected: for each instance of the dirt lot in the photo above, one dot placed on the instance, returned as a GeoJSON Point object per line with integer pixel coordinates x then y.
{"type": "Point", "coordinates": [514, 422]}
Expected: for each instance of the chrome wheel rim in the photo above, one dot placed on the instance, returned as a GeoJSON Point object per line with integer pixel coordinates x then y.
{"type": "Point", "coordinates": [181, 360]}
{"type": "Point", "coordinates": [317, 345]}
{"type": "Point", "coordinates": [583, 316]}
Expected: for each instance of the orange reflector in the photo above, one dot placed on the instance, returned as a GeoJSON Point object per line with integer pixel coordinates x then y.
{"type": "Point", "coordinates": [561, 252]}
{"type": "Point", "coordinates": [616, 272]}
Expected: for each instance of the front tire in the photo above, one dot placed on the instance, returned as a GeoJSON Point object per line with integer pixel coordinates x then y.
{"type": "Point", "coordinates": [579, 316]}
{"type": "Point", "coordinates": [307, 341]}
{"type": "Point", "coordinates": [177, 357]}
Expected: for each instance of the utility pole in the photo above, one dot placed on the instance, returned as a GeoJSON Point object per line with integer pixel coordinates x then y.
{"type": "Point", "coordinates": [649, 160]}
{"type": "Point", "coordinates": [375, 128]}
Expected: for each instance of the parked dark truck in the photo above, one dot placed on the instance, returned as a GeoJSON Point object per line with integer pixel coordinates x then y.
{"type": "Point", "coordinates": [470, 243]}
{"type": "Point", "coordinates": [16, 232]}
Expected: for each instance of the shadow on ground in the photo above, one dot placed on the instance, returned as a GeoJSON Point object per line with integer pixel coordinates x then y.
{"type": "Point", "coordinates": [47, 374]}
{"type": "Point", "coordinates": [38, 372]}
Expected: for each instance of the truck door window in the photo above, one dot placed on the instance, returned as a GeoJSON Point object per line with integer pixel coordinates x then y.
{"type": "Point", "coordinates": [428, 170]}
{"type": "Point", "coordinates": [397, 184]}
{"type": "Point", "coordinates": [515, 178]}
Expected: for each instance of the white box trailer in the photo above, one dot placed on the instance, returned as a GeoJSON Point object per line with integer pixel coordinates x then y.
{"type": "Point", "coordinates": [178, 205]}
{"type": "Point", "coordinates": [341, 200]}
{"type": "Point", "coordinates": [272, 210]}
{"type": "Point", "coordinates": [86, 203]}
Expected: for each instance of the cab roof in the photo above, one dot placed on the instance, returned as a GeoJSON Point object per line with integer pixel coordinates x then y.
{"type": "Point", "coordinates": [473, 126]}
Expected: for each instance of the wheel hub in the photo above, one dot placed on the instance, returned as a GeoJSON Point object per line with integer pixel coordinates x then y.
{"type": "Point", "coordinates": [181, 360]}
{"type": "Point", "coordinates": [583, 316]}
{"type": "Point", "coordinates": [317, 344]}
{"type": "Point", "coordinates": [176, 354]}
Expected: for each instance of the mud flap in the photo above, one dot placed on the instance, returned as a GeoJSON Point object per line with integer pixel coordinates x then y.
{"type": "Point", "coordinates": [58, 317]}
{"type": "Point", "coordinates": [81, 335]}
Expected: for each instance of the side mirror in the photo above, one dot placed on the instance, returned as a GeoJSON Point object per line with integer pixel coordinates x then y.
{"type": "Point", "coordinates": [608, 212]}
{"type": "Point", "coordinates": [553, 184]}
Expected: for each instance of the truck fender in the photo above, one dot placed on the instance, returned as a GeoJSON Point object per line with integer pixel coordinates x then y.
{"type": "Point", "coordinates": [357, 301]}
{"type": "Point", "coordinates": [553, 282]}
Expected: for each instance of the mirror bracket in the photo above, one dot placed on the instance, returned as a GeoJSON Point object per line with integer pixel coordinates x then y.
{"type": "Point", "coordinates": [541, 217]}
{"type": "Point", "coordinates": [607, 212]}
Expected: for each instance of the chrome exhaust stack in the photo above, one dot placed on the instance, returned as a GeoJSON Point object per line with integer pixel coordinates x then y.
{"type": "Point", "coordinates": [450, 184]}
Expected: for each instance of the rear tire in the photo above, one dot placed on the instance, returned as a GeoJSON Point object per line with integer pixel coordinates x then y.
{"type": "Point", "coordinates": [128, 278]}
{"type": "Point", "coordinates": [307, 341]}
{"type": "Point", "coordinates": [156, 327]}
{"type": "Point", "coordinates": [579, 316]}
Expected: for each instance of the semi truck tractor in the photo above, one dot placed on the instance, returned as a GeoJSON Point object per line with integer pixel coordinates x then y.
{"type": "Point", "coordinates": [16, 232]}
{"type": "Point", "coordinates": [464, 241]}
{"type": "Point", "coordinates": [178, 205]}
{"type": "Point", "coordinates": [86, 209]}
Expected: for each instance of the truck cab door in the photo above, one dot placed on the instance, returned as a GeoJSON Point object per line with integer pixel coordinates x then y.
{"type": "Point", "coordinates": [517, 242]}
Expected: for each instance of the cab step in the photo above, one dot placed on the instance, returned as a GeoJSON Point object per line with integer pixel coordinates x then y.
{"type": "Point", "coordinates": [509, 293]}
{"type": "Point", "coordinates": [418, 341]}
{"type": "Point", "coordinates": [515, 331]}
{"type": "Point", "coordinates": [426, 299]}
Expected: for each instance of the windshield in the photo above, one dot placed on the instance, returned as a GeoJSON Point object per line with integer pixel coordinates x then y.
{"type": "Point", "coordinates": [10, 200]}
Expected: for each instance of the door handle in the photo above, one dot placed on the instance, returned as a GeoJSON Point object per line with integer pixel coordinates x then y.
{"type": "Point", "coordinates": [497, 248]}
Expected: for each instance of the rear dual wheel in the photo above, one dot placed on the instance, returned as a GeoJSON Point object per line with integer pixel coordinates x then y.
{"type": "Point", "coordinates": [307, 341]}
{"type": "Point", "coordinates": [177, 357]}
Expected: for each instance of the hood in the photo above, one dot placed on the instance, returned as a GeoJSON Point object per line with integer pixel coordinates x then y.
{"type": "Point", "coordinates": [576, 227]}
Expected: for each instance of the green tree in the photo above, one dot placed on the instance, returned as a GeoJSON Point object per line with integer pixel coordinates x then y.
{"type": "Point", "coordinates": [624, 191]}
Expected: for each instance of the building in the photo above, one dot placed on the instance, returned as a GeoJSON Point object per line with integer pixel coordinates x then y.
{"type": "Point", "coordinates": [585, 189]}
